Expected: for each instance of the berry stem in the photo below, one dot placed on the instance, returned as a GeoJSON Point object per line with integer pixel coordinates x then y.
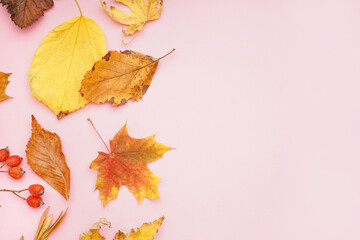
{"type": "Point", "coordinates": [15, 192]}
{"type": "Point", "coordinates": [2, 165]}
{"type": "Point", "coordinates": [4, 171]}
{"type": "Point", "coordinates": [19, 196]}
{"type": "Point", "coordinates": [99, 135]}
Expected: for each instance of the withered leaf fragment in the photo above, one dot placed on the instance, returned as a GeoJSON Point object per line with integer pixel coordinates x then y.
{"type": "Point", "coordinates": [146, 232]}
{"type": "Point", "coordinates": [126, 164]}
{"type": "Point", "coordinates": [142, 11]}
{"type": "Point", "coordinates": [3, 84]}
{"type": "Point", "coordinates": [25, 12]}
{"type": "Point", "coordinates": [45, 157]}
{"type": "Point", "coordinates": [119, 76]}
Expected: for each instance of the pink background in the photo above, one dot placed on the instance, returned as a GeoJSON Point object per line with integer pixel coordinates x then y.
{"type": "Point", "coordinates": [260, 99]}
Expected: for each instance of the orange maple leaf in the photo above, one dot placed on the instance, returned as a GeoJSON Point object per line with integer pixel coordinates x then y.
{"type": "Point", "coordinates": [126, 165]}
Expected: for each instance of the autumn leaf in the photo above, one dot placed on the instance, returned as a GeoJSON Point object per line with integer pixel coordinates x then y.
{"type": "Point", "coordinates": [62, 60]}
{"type": "Point", "coordinates": [146, 232]}
{"type": "Point", "coordinates": [45, 157]}
{"type": "Point", "coordinates": [119, 76]}
{"type": "Point", "coordinates": [126, 165]}
{"type": "Point", "coordinates": [3, 84]}
{"type": "Point", "coordinates": [141, 12]}
{"type": "Point", "coordinates": [93, 232]}
{"type": "Point", "coordinates": [26, 12]}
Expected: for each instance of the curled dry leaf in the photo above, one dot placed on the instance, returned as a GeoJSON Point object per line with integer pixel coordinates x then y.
{"type": "Point", "coordinates": [3, 84]}
{"type": "Point", "coordinates": [141, 12]}
{"type": "Point", "coordinates": [26, 12]}
{"type": "Point", "coordinates": [62, 60]}
{"type": "Point", "coordinates": [45, 157]}
{"type": "Point", "coordinates": [126, 164]}
{"type": "Point", "coordinates": [146, 232]}
{"type": "Point", "coordinates": [119, 76]}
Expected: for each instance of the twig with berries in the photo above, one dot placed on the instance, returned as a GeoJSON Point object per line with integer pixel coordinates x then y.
{"type": "Point", "coordinates": [13, 162]}
{"type": "Point", "coordinates": [34, 199]}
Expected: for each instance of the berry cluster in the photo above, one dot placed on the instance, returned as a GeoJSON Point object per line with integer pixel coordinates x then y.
{"type": "Point", "coordinates": [34, 199]}
{"type": "Point", "coordinates": [13, 162]}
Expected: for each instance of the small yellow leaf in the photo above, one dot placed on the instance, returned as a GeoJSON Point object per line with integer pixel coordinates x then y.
{"type": "Point", "coordinates": [62, 60]}
{"type": "Point", "coordinates": [141, 12]}
{"type": "Point", "coordinates": [146, 232]}
{"type": "Point", "coordinates": [3, 84]}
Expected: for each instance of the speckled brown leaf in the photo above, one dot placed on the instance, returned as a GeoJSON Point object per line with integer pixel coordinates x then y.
{"type": "Point", "coordinates": [45, 157]}
{"type": "Point", "coordinates": [3, 84]}
{"type": "Point", "coordinates": [119, 76]}
{"type": "Point", "coordinates": [25, 12]}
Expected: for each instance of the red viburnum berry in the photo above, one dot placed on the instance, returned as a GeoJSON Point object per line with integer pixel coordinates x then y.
{"type": "Point", "coordinates": [16, 172]}
{"type": "Point", "coordinates": [13, 161]}
{"type": "Point", "coordinates": [36, 190]}
{"type": "Point", "coordinates": [34, 201]}
{"type": "Point", "coordinates": [4, 154]}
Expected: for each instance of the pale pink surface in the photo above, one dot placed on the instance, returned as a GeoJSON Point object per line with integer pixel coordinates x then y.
{"type": "Point", "coordinates": [260, 99]}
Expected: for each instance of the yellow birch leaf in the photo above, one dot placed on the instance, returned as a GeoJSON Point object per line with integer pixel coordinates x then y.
{"type": "Point", "coordinates": [141, 12]}
{"type": "Point", "coordinates": [62, 60]}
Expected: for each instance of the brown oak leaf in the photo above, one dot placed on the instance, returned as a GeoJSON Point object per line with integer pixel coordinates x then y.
{"type": "Point", "coordinates": [3, 84]}
{"type": "Point", "coordinates": [45, 157]}
{"type": "Point", "coordinates": [119, 76]}
{"type": "Point", "coordinates": [126, 165]}
{"type": "Point", "coordinates": [25, 12]}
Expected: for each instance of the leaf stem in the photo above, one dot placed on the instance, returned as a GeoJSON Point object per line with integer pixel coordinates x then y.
{"type": "Point", "coordinates": [167, 54]}
{"type": "Point", "coordinates": [78, 7]}
{"type": "Point", "coordinates": [99, 135]}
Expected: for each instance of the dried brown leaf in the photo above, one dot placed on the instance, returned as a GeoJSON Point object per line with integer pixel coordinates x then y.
{"type": "Point", "coordinates": [47, 160]}
{"type": "Point", "coordinates": [119, 76]}
{"type": "Point", "coordinates": [26, 12]}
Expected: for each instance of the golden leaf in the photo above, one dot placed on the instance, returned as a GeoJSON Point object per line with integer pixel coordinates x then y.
{"type": "Point", "coordinates": [93, 233]}
{"type": "Point", "coordinates": [45, 157]}
{"type": "Point", "coordinates": [146, 232]}
{"type": "Point", "coordinates": [45, 229]}
{"type": "Point", "coordinates": [141, 12]}
{"type": "Point", "coordinates": [62, 60]}
{"type": "Point", "coordinates": [26, 12]}
{"type": "Point", "coordinates": [126, 164]}
{"type": "Point", "coordinates": [119, 77]}
{"type": "Point", "coordinates": [3, 84]}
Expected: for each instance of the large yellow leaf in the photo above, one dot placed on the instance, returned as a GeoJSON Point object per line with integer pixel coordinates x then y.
{"type": "Point", "coordinates": [141, 12]}
{"type": "Point", "coordinates": [62, 60]}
